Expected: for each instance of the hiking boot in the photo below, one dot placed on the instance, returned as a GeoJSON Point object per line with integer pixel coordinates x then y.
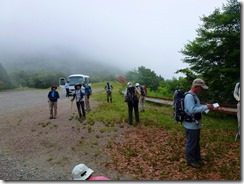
{"type": "Point", "coordinates": [202, 159]}
{"type": "Point", "coordinates": [194, 165]}
{"type": "Point", "coordinates": [51, 117]}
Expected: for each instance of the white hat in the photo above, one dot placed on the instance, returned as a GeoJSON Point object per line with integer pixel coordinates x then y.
{"type": "Point", "coordinates": [199, 82]}
{"type": "Point", "coordinates": [137, 84]}
{"type": "Point", "coordinates": [81, 172]}
{"type": "Point", "coordinates": [129, 84]}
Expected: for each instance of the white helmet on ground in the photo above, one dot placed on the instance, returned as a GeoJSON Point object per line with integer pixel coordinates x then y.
{"type": "Point", "coordinates": [81, 172]}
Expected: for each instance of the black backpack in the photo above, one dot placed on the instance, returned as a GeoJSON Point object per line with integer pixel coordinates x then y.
{"type": "Point", "coordinates": [131, 95]}
{"type": "Point", "coordinates": [178, 105]}
{"type": "Point", "coordinates": [179, 109]}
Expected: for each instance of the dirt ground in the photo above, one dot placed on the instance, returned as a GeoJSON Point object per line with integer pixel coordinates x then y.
{"type": "Point", "coordinates": [34, 147]}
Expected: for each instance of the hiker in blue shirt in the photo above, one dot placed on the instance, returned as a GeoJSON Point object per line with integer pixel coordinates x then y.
{"type": "Point", "coordinates": [79, 96]}
{"type": "Point", "coordinates": [53, 97]}
{"type": "Point", "coordinates": [192, 122]}
{"type": "Point", "coordinates": [87, 91]}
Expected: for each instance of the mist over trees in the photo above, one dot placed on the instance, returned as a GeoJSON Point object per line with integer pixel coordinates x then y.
{"type": "Point", "coordinates": [4, 79]}
{"type": "Point", "coordinates": [214, 55]}
{"type": "Point", "coordinates": [43, 70]}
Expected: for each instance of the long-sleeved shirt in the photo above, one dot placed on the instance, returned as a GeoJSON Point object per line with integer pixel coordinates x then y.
{"type": "Point", "coordinates": [53, 96]}
{"type": "Point", "coordinates": [192, 106]}
{"type": "Point", "coordinates": [237, 92]}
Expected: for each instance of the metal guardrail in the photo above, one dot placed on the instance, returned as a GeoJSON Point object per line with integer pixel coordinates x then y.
{"type": "Point", "coordinates": [224, 108]}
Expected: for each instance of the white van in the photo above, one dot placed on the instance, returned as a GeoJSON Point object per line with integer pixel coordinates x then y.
{"type": "Point", "coordinates": [74, 79]}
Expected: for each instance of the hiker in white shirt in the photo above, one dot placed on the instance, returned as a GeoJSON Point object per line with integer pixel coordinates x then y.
{"type": "Point", "coordinates": [237, 96]}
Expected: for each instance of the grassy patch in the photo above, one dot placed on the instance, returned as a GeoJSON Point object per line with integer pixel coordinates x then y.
{"type": "Point", "coordinates": [155, 149]}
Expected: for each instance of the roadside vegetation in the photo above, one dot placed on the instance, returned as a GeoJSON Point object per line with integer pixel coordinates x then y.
{"type": "Point", "coordinates": [154, 149]}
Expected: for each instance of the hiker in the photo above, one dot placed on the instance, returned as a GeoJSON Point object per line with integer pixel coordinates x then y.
{"type": "Point", "coordinates": [67, 88]}
{"type": "Point", "coordinates": [237, 96]}
{"type": "Point", "coordinates": [141, 97]}
{"type": "Point", "coordinates": [87, 92]}
{"type": "Point", "coordinates": [192, 122]}
{"type": "Point", "coordinates": [145, 89]}
{"type": "Point", "coordinates": [82, 172]}
{"type": "Point", "coordinates": [79, 96]}
{"type": "Point", "coordinates": [53, 97]}
{"type": "Point", "coordinates": [108, 87]}
{"type": "Point", "coordinates": [131, 97]}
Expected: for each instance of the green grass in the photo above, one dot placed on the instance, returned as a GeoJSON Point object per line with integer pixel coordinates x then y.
{"type": "Point", "coordinates": [217, 133]}
{"type": "Point", "coordinates": [155, 114]}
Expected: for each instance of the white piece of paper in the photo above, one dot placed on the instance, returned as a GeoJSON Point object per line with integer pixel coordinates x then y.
{"type": "Point", "coordinates": [216, 105]}
{"type": "Point", "coordinates": [206, 111]}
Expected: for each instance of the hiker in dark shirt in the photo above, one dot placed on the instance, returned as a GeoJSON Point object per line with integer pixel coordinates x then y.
{"type": "Point", "coordinates": [53, 97]}
{"type": "Point", "coordinates": [131, 97]}
{"type": "Point", "coordinates": [108, 87]}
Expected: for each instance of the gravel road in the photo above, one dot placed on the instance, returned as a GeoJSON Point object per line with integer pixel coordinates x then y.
{"type": "Point", "coordinates": [33, 147]}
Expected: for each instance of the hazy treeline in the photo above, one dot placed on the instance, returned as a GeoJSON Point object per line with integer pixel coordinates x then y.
{"type": "Point", "coordinates": [214, 55]}
{"type": "Point", "coordinates": [41, 72]}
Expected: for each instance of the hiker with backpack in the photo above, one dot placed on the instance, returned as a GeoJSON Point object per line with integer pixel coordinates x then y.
{"type": "Point", "coordinates": [79, 96]}
{"type": "Point", "coordinates": [237, 96]}
{"type": "Point", "coordinates": [131, 97]}
{"type": "Point", "coordinates": [192, 122]}
{"type": "Point", "coordinates": [87, 91]}
{"type": "Point", "coordinates": [141, 97]}
{"type": "Point", "coordinates": [108, 87]}
{"type": "Point", "coordinates": [53, 97]}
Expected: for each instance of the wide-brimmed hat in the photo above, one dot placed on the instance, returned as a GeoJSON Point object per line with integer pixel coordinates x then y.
{"type": "Point", "coordinates": [81, 172]}
{"type": "Point", "coordinates": [199, 82]}
{"type": "Point", "coordinates": [78, 84]}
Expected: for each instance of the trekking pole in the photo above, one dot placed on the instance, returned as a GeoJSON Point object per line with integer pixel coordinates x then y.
{"type": "Point", "coordinates": [237, 134]}
{"type": "Point", "coordinates": [71, 106]}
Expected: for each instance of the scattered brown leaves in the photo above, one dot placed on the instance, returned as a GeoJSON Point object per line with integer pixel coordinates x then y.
{"type": "Point", "coordinates": [150, 153]}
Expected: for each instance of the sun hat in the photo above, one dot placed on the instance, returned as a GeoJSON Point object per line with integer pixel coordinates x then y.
{"type": "Point", "coordinates": [81, 172]}
{"type": "Point", "coordinates": [78, 84]}
{"type": "Point", "coordinates": [199, 82]}
{"type": "Point", "coordinates": [137, 84]}
{"type": "Point", "coordinates": [129, 84]}
{"type": "Point", "coordinates": [53, 86]}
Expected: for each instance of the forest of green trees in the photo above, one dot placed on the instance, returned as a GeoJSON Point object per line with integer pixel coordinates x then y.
{"type": "Point", "coordinates": [214, 55]}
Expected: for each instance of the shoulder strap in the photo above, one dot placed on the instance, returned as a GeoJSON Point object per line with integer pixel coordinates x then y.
{"type": "Point", "coordinates": [195, 100]}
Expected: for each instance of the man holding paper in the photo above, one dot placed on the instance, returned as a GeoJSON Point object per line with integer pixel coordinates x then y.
{"type": "Point", "coordinates": [192, 123]}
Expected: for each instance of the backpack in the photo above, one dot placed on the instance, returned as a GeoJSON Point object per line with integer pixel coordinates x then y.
{"type": "Point", "coordinates": [142, 91]}
{"type": "Point", "coordinates": [131, 96]}
{"type": "Point", "coordinates": [108, 87]}
{"type": "Point", "coordinates": [179, 109]}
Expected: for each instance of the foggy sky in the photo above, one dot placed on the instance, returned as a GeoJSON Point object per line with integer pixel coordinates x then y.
{"type": "Point", "coordinates": [125, 33]}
